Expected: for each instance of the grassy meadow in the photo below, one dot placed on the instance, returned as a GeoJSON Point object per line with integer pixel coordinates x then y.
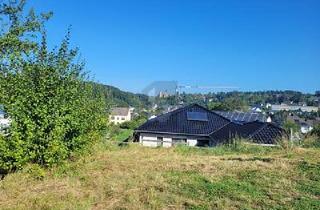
{"type": "Point", "coordinates": [136, 177]}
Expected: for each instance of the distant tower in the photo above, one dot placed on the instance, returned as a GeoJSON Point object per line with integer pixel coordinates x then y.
{"type": "Point", "coordinates": [161, 88]}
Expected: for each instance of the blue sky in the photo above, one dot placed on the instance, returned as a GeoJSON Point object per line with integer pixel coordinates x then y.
{"type": "Point", "coordinates": [254, 45]}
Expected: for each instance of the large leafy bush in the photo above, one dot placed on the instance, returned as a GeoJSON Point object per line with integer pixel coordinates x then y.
{"type": "Point", "coordinates": [52, 107]}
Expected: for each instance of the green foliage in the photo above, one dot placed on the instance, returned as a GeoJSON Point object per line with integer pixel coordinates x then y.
{"type": "Point", "coordinates": [316, 130]}
{"type": "Point", "coordinates": [113, 129]}
{"type": "Point", "coordinates": [237, 147]}
{"type": "Point", "coordinates": [309, 184]}
{"type": "Point", "coordinates": [35, 171]}
{"type": "Point", "coordinates": [133, 124]}
{"type": "Point", "coordinates": [229, 104]}
{"type": "Point", "coordinates": [52, 107]}
{"type": "Point", "coordinates": [116, 97]}
{"type": "Point", "coordinates": [219, 106]}
{"type": "Point", "coordinates": [311, 172]}
{"type": "Point", "coordinates": [291, 125]}
{"type": "Point", "coordinates": [195, 186]}
{"type": "Point", "coordinates": [311, 141]}
{"type": "Point", "coordinates": [242, 99]}
{"type": "Point", "coordinates": [122, 135]}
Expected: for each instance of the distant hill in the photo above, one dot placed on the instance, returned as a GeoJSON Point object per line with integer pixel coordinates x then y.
{"type": "Point", "coordinates": [116, 97]}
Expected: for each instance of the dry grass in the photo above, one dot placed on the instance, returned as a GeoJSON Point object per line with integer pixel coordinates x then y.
{"type": "Point", "coordinates": [136, 177]}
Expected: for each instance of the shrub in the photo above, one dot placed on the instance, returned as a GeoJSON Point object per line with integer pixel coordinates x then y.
{"type": "Point", "coordinates": [311, 141]}
{"type": "Point", "coordinates": [35, 171]}
{"type": "Point", "coordinates": [46, 94]}
{"type": "Point", "coordinates": [133, 124]}
{"type": "Point", "coordinates": [290, 125]}
{"type": "Point", "coordinates": [316, 131]}
{"type": "Point", "coordinates": [285, 143]}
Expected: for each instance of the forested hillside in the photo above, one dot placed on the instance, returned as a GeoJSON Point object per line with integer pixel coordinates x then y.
{"type": "Point", "coordinates": [116, 97]}
{"type": "Point", "coordinates": [227, 100]}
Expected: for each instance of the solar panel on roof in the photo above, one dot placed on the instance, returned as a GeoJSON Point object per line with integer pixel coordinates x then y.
{"type": "Point", "coordinates": [242, 116]}
{"type": "Point", "coordinates": [197, 116]}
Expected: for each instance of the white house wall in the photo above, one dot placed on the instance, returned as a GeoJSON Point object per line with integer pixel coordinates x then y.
{"type": "Point", "coordinates": [167, 142]}
{"type": "Point", "coordinates": [151, 140]}
{"type": "Point", "coordinates": [192, 142]}
{"type": "Point", "coordinates": [148, 140]}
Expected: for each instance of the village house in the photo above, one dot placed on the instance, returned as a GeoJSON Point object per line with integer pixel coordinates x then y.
{"type": "Point", "coordinates": [195, 125]}
{"type": "Point", "coordinates": [120, 115]}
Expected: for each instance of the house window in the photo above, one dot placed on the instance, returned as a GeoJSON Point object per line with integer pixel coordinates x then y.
{"type": "Point", "coordinates": [160, 141]}
{"type": "Point", "coordinates": [112, 118]}
{"type": "Point", "coordinates": [176, 141]}
{"type": "Point", "coordinates": [122, 118]}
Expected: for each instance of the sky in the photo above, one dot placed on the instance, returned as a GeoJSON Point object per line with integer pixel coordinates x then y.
{"type": "Point", "coordinates": [249, 44]}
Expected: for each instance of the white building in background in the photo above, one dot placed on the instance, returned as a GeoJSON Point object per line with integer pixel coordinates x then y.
{"type": "Point", "coordinates": [269, 119]}
{"type": "Point", "coordinates": [285, 107]}
{"type": "Point", "coordinates": [305, 128]}
{"type": "Point", "coordinates": [121, 114]}
{"type": "Point", "coordinates": [4, 123]}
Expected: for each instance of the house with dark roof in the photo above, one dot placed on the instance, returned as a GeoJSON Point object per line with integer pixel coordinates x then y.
{"type": "Point", "coordinates": [256, 132]}
{"type": "Point", "coordinates": [195, 125]}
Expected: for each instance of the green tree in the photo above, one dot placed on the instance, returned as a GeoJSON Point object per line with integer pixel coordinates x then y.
{"type": "Point", "coordinates": [54, 111]}
{"type": "Point", "coordinates": [229, 104]}
{"type": "Point", "coordinates": [134, 123]}
{"type": "Point", "coordinates": [316, 130]}
{"type": "Point", "coordinates": [291, 125]}
{"type": "Point", "coordinates": [217, 106]}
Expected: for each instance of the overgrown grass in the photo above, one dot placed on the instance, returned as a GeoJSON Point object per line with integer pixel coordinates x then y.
{"type": "Point", "coordinates": [135, 177]}
{"type": "Point", "coordinates": [239, 148]}
{"type": "Point", "coordinates": [311, 142]}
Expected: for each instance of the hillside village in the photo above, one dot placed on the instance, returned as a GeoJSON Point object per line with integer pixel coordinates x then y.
{"type": "Point", "coordinates": [300, 117]}
{"type": "Point", "coordinates": [304, 117]}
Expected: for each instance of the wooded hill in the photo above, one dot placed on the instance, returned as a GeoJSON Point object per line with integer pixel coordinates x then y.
{"type": "Point", "coordinates": [236, 98]}
{"type": "Point", "coordinates": [116, 97]}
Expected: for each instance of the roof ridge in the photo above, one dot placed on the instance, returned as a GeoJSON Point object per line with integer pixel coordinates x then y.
{"type": "Point", "coordinates": [213, 112]}
{"type": "Point", "coordinates": [165, 114]}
